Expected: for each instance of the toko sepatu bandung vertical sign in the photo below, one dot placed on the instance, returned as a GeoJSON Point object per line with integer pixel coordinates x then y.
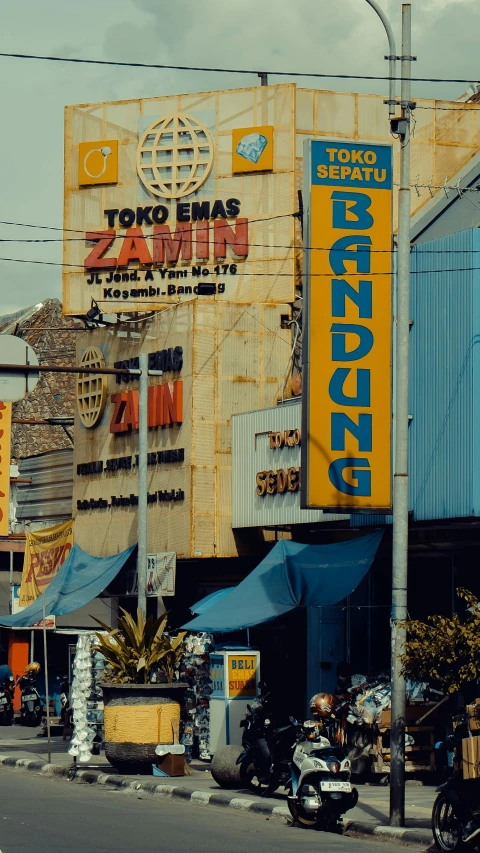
{"type": "Point", "coordinates": [347, 399]}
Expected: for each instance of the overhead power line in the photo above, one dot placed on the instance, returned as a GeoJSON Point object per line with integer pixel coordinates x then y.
{"type": "Point", "coordinates": [240, 272]}
{"type": "Point", "coordinates": [314, 74]}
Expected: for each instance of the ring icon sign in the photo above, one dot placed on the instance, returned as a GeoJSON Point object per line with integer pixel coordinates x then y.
{"type": "Point", "coordinates": [105, 152]}
{"type": "Point", "coordinates": [98, 162]}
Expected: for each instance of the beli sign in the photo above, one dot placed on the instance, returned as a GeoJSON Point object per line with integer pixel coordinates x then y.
{"type": "Point", "coordinates": [348, 412]}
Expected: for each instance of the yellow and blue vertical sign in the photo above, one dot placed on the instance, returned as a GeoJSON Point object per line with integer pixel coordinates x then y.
{"type": "Point", "coordinates": [347, 388]}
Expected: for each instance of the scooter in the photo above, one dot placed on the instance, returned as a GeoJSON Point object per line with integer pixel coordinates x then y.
{"type": "Point", "coordinates": [6, 702]}
{"type": "Point", "coordinates": [31, 706]}
{"type": "Point", "coordinates": [267, 751]}
{"type": "Point", "coordinates": [320, 787]}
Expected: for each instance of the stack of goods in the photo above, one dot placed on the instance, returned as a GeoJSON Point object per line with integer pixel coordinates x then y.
{"type": "Point", "coordinates": [371, 698]}
{"type": "Point", "coordinates": [195, 670]}
{"type": "Point", "coordinates": [87, 702]}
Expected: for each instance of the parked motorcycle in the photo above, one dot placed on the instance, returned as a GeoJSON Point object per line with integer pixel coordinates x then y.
{"type": "Point", "coordinates": [265, 763]}
{"type": "Point", "coordinates": [320, 789]}
{"type": "Point", "coordinates": [31, 709]}
{"type": "Point", "coordinates": [7, 690]}
{"type": "Point", "coordinates": [455, 814]}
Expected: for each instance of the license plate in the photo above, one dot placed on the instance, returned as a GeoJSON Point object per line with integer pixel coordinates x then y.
{"type": "Point", "coordinates": [344, 787]}
{"type": "Point", "coordinates": [3, 701]}
{"type": "Point", "coordinates": [29, 698]}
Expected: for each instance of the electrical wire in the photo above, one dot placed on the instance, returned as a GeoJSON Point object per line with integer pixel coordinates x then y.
{"type": "Point", "coordinates": [314, 74]}
{"type": "Point", "coordinates": [254, 274]}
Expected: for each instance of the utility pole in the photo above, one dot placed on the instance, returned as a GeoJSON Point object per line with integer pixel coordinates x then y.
{"type": "Point", "coordinates": [142, 567]}
{"type": "Point", "coordinates": [400, 481]}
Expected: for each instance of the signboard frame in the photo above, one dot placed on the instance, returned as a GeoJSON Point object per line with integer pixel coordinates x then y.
{"type": "Point", "coordinates": [320, 480]}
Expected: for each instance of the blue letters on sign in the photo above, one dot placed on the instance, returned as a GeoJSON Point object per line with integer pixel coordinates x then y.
{"type": "Point", "coordinates": [339, 253]}
{"type": "Point", "coordinates": [362, 431]}
{"type": "Point", "coordinates": [339, 341]}
{"type": "Point", "coordinates": [363, 478]}
{"type": "Point", "coordinates": [362, 298]}
{"type": "Point", "coordinates": [335, 388]}
{"type": "Point", "coordinates": [358, 207]}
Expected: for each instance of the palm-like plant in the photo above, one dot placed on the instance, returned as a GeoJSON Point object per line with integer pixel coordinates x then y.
{"type": "Point", "coordinates": [134, 649]}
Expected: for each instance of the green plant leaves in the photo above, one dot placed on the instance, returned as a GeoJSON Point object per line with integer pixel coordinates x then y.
{"type": "Point", "coordinates": [135, 647]}
{"type": "Point", "coordinates": [446, 650]}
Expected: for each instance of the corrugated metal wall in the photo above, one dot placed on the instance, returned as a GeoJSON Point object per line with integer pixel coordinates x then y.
{"type": "Point", "coordinates": [251, 453]}
{"type": "Point", "coordinates": [49, 495]}
{"type": "Point", "coordinates": [444, 309]}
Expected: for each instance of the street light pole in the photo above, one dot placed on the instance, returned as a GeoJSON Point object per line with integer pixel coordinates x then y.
{"type": "Point", "coordinates": [400, 126]}
{"type": "Point", "coordinates": [393, 55]}
{"type": "Point", "coordinates": [142, 484]}
{"type": "Point", "coordinates": [400, 480]}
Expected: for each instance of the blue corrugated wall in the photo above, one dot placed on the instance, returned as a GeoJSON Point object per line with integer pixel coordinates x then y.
{"type": "Point", "coordinates": [444, 445]}
{"type": "Point", "coordinates": [443, 344]}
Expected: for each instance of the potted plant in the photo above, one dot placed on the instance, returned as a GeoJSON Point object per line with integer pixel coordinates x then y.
{"type": "Point", "coordinates": [141, 697]}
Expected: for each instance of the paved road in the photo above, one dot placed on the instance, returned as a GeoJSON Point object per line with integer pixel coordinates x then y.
{"type": "Point", "coordinates": [41, 815]}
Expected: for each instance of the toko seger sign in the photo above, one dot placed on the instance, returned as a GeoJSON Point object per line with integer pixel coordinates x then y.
{"type": "Point", "coordinates": [347, 409]}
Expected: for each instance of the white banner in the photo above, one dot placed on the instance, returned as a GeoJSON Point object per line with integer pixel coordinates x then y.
{"type": "Point", "coordinates": [161, 571]}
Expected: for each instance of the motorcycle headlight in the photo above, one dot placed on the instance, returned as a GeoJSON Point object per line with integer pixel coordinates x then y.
{"type": "Point", "coordinates": [334, 766]}
{"type": "Point", "coordinates": [267, 722]}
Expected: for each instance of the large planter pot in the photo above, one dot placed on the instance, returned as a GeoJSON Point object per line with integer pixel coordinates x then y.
{"type": "Point", "coordinates": [137, 718]}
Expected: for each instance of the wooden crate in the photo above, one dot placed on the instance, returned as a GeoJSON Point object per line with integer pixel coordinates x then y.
{"type": "Point", "coordinates": [471, 757]}
{"type": "Point", "coordinates": [418, 758]}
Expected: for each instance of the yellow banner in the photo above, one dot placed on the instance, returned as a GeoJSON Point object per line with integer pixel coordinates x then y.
{"type": "Point", "coordinates": [347, 458]}
{"type": "Point", "coordinates": [45, 551]}
{"type": "Point", "coordinates": [5, 438]}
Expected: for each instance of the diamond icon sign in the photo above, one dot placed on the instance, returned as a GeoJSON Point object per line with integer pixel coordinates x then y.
{"type": "Point", "coordinates": [252, 146]}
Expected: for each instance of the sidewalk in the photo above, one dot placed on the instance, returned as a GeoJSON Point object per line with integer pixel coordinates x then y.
{"type": "Point", "coordinates": [370, 816]}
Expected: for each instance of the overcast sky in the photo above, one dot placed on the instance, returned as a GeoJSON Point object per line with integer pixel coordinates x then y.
{"type": "Point", "coordinates": [343, 36]}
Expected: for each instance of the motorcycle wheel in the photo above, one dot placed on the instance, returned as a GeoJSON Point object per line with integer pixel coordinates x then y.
{"type": "Point", "coordinates": [446, 828]}
{"type": "Point", "coordinates": [299, 815]}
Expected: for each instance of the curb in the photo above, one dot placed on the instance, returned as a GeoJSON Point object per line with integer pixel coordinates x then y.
{"type": "Point", "coordinates": [203, 798]}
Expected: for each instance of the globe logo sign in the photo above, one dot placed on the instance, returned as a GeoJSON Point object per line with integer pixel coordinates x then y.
{"type": "Point", "coordinates": [175, 156]}
{"type": "Point", "coordinates": [91, 388]}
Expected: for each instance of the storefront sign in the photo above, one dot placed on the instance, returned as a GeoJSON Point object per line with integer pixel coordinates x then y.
{"type": "Point", "coordinates": [346, 457]}
{"type": "Point", "coordinates": [217, 676]}
{"type": "Point", "coordinates": [45, 551]}
{"type": "Point", "coordinates": [179, 221]}
{"type": "Point", "coordinates": [278, 482]}
{"type": "Point", "coordinates": [5, 438]}
{"type": "Point", "coordinates": [165, 407]}
{"type": "Point", "coordinates": [242, 672]}
{"type": "Point", "coordinates": [161, 571]}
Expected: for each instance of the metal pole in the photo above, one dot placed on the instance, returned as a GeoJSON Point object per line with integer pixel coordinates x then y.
{"type": "Point", "coordinates": [391, 58]}
{"type": "Point", "coordinates": [47, 700]}
{"type": "Point", "coordinates": [400, 481]}
{"type": "Point", "coordinates": [142, 484]}
{"type": "Point", "coordinates": [11, 581]}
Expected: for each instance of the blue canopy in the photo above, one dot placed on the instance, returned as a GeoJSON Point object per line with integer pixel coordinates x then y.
{"type": "Point", "coordinates": [210, 600]}
{"type": "Point", "coordinates": [79, 580]}
{"type": "Point", "coordinates": [292, 575]}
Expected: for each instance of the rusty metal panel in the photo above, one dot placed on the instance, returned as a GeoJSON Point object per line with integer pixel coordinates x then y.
{"type": "Point", "coordinates": [251, 454]}
{"type": "Point", "coordinates": [49, 495]}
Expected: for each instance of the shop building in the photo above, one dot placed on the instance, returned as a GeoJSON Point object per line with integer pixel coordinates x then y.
{"type": "Point", "coordinates": [192, 218]}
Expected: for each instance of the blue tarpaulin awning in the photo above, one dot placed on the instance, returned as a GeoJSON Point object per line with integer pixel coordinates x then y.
{"type": "Point", "coordinates": [80, 579]}
{"type": "Point", "coordinates": [292, 575]}
{"type": "Point", "coordinates": [205, 603]}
